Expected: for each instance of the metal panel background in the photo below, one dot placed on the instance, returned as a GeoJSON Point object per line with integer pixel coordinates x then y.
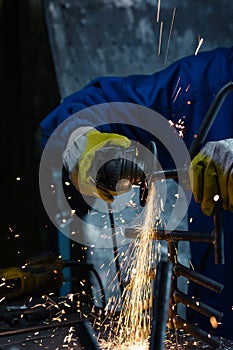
{"type": "Point", "coordinates": [91, 38]}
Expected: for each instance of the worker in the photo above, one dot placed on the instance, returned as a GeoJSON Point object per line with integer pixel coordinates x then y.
{"type": "Point", "coordinates": [182, 94]}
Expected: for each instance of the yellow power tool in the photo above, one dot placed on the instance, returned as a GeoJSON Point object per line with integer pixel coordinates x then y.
{"type": "Point", "coordinates": [39, 275]}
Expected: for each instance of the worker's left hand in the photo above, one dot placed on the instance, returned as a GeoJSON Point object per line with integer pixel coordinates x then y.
{"type": "Point", "coordinates": [211, 172]}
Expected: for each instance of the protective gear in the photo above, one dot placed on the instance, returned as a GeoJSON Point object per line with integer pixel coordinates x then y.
{"type": "Point", "coordinates": [78, 159]}
{"type": "Point", "coordinates": [212, 174]}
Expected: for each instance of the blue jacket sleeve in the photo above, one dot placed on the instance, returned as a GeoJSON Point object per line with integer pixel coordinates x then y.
{"type": "Point", "coordinates": [182, 93]}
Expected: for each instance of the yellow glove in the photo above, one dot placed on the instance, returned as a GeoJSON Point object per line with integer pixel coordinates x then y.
{"type": "Point", "coordinates": [79, 156]}
{"type": "Point", "coordinates": [211, 172]}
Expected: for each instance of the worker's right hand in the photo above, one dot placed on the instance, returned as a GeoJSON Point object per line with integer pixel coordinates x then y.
{"type": "Point", "coordinates": [79, 156]}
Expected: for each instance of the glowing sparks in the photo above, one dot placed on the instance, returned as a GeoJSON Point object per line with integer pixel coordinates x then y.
{"type": "Point", "coordinates": [160, 38]}
{"type": "Point", "coordinates": [180, 126]}
{"type": "Point", "coordinates": [199, 45]}
{"type": "Point", "coordinates": [125, 347]}
{"type": "Point", "coordinates": [177, 94]}
{"type": "Point", "coordinates": [132, 329]}
{"type": "Point", "coordinates": [175, 89]}
{"type": "Point", "coordinates": [160, 30]}
{"type": "Point", "coordinates": [187, 89]}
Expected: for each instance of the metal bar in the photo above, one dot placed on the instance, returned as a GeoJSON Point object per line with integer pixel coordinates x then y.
{"type": "Point", "coordinates": [197, 305]}
{"type": "Point", "coordinates": [209, 119]}
{"type": "Point", "coordinates": [172, 257]}
{"type": "Point", "coordinates": [174, 235]}
{"type": "Point", "coordinates": [37, 328]}
{"type": "Point", "coordinates": [218, 232]}
{"type": "Point", "coordinates": [161, 297]}
{"type": "Point", "coordinates": [86, 336]}
{"type": "Point", "coordinates": [115, 248]}
{"type": "Point", "coordinates": [198, 278]}
{"type": "Point", "coordinates": [196, 332]}
{"type": "Point", "coordinates": [183, 236]}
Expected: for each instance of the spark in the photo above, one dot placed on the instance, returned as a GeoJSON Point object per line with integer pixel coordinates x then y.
{"type": "Point", "coordinates": [213, 322]}
{"type": "Point", "coordinates": [180, 127]}
{"type": "Point", "coordinates": [158, 10]}
{"type": "Point", "coordinates": [170, 33]}
{"type": "Point", "coordinates": [177, 83]}
{"type": "Point", "coordinates": [132, 329]}
{"type": "Point", "coordinates": [187, 89]}
{"type": "Point", "coordinates": [69, 336]}
{"type": "Point", "coordinates": [177, 94]}
{"type": "Point", "coordinates": [160, 37]}
{"type": "Point", "coordinates": [199, 46]}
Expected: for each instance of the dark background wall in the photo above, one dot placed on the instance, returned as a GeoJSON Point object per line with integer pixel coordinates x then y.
{"type": "Point", "coordinates": [88, 39]}
{"type": "Point", "coordinates": [28, 92]}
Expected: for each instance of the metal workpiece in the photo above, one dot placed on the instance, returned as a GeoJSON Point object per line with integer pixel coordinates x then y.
{"type": "Point", "coordinates": [176, 296]}
{"type": "Point", "coordinates": [203, 308]}
{"type": "Point", "coordinates": [194, 276]}
{"type": "Point", "coordinates": [173, 236]}
{"type": "Point", "coordinates": [216, 237]}
{"type": "Point", "coordinates": [187, 327]}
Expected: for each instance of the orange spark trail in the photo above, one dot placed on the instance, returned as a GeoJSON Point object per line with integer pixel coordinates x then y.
{"type": "Point", "coordinates": [134, 324]}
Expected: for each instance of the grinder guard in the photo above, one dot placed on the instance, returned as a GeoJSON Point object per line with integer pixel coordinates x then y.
{"type": "Point", "coordinates": [125, 168]}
